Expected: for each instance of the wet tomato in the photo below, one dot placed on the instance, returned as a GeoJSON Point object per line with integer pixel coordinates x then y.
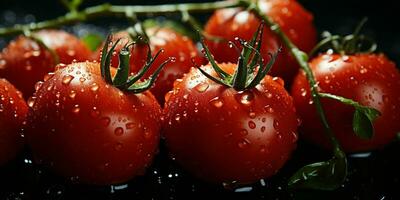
{"type": "Point", "coordinates": [24, 61]}
{"type": "Point", "coordinates": [88, 130]}
{"type": "Point", "coordinates": [222, 135]}
{"type": "Point", "coordinates": [233, 23]}
{"type": "Point", "coordinates": [370, 79]}
{"type": "Point", "coordinates": [173, 44]}
{"type": "Point", "coordinates": [13, 111]}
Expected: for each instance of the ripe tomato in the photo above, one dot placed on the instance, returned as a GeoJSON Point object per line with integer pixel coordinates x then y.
{"type": "Point", "coordinates": [370, 79]}
{"type": "Point", "coordinates": [223, 135]}
{"type": "Point", "coordinates": [173, 44]}
{"type": "Point", "coordinates": [89, 131]}
{"type": "Point", "coordinates": [13, 110]}
{"type": "Point", "coordinates": [294, 20]}
{"type": "Point", "coordinates": [24, 62]}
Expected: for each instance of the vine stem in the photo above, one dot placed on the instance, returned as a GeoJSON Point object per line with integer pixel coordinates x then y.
{"type": "Point", "coordinates": [122, 11]}
{"type": "Point", "coordinates": [126, 11]}
{"type": "Point", "coordinates": [302, 60]}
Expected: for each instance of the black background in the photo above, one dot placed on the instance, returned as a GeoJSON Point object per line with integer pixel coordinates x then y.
{"type": "Point", "coordinates": [374, 177]}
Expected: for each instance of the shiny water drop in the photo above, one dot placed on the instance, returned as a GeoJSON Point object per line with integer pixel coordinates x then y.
{"type": "Point", "coordinates": [177, 117]}
{"type": "Point", "coordinates": [31, 101]}
{"type": "Point", "coordinates": [252, 125]}
{"type": "Point", "coordinates": [76, 109]}
{"type": "Point", "coordinates": [105, 121]}
{"type": "Point", "coordinates": [216, 102]}
{"type": "Point", "coordinates": [67, 79]}
{"type": "Point", "coordinates": [201, 87]}
{"type": "Point", "coordinates": [252, 115]}
{"type": "Point", "coordinates": [244, 143]}
{"type": "Point", "coordinates": [130, 125]}
{"type": "Point", "coordinates": [95, 112]}
{"type": "Point", "coordinates": [38, 85]}
{"type": "Point", "coordinates": [246, 98]}
{"type": "Point", "coordinates": [119, 131]}
{"type": "Point", "coordinates": [276, 124]}
{"type": "Point", "coordinates": [94, 87]}
{"type": "Point", "coordinates": [81, 79]}
{"type": "Point", "coordinates": [48, 76]}
{"type": "Point", "coordinates": [243, 132]}
{"type": "Point", "coordinates": [72, 94]}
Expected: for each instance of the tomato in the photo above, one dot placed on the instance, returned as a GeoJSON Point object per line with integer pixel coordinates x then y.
{"type": "Point", "coordinates": [89, 131]}
{"type": "Point", "coordinates": [370, 79]}
{"type": "Point", "coordinates": [173, 44]}
{"type": "Point", "coordinates": [294, 20]}
{"type": "Point", "coordinates": [24, 61]}
{"type": "Point", "coordinates": [13, 111]}
{"type": "Point", "coordinates": [223, 135]}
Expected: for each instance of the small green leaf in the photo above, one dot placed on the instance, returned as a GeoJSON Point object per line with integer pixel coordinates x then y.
{"type": "Point", "coordinates": [363, 121]}
{"type": "Point", "coordinates": [92, 41]}
{"type": "Point", "coordinates": [328, 175]}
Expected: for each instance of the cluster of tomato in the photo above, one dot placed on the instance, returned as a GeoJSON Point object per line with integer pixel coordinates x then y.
{"type": "Point", "coordinates": [82, 127]}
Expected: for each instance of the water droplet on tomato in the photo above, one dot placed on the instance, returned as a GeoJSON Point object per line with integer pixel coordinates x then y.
{"type": "Point", "coordinates": [94, 87]}
{"type": "Point", "coordinates": [243, 132]}
{"type": "Point", "coordinates": [201, 87]}
{"type": "Point", "coordinates": [279, 81]}
{"type": "Point", "coordinates": [130, 125]}
{"type": "Point", "coordinates": [31, 101]}
{"type": "Point", "coordinates": [72, 94]}
{"type": "Point", "coordinates": [363, 71]}
{"type": "Point", "coordinates": [251, 124]}
{"type": "Point", "coordinates": [252, 115]}
{"type": "Point", "coordinates": [38, 85]}
{"type": "Point", "coordinates": [276, 124]}
{"type": "Point", "coordinates": [81, 79]}
{"type": "Point", "coordinates": [76, 109]}
{"type": "Point", "coordinates": [177, 117]}
{"type": "Point", "coordinates": [245, 98]}
{"type": "Point", "coordinates": [216, 102]}
{"type": "Point", "coordinates": [262, 128]}
{"type": "Point", "coordinates": [244, 143]}
{"type": "Point", "coordinates": [67, 79]}
{"type": "Point", "coordinates": [48, 76]}
{"type": "Point", "coordinates": [95, 112]}
{"type": "Point", "coordinates": [119, 131]}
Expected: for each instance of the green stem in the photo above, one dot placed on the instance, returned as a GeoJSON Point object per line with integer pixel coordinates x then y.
{"type": "Point", "coordinates": [340, 99]}
{"type": "Point", "coordinates": [117, 11]}
{"type": "Point", "coordinates": [302, 60]}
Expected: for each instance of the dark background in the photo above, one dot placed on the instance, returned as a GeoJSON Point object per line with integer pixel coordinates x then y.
{"type": "Point", "coordinates": [374, 176]}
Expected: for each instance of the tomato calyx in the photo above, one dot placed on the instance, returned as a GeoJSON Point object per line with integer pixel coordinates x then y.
{"type": "Point", "coordinates": [250, 65]}
{"type": "Point", "coordinates": [346, 45]}
{"type": "Point", "coordinates": [122, 80]}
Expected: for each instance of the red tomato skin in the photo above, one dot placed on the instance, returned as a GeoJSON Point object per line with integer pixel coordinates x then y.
{"type": "Point", "coordinates": [219, 139]}
{"type": "Point", "coordinates": [13, 111]}
{"type": "Point", "coordinates": [294, 20]}
{"type": "Point", "coordinates": [372, 80]}
{"type": "Point", "coordinates": [24, 62]}
{"type": "Point", "coordinates": [173, 44]}
{"type": "Point", "coordinates": [89, 131]}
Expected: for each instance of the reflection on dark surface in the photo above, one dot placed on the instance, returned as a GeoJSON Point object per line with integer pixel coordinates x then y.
{"type": "Point", "coordinates": [371, 176]}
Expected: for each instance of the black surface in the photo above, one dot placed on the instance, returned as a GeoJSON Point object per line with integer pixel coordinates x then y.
{"type": "Point", "coordinates": [373, 177]}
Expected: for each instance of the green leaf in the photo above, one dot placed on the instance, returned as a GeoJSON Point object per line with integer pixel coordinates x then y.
{"type": "Point", "coordinates": [92, 41]}
{"type": "Point", "coordinates": [328, 175]}
{"type": "Point", "coordinates": [363, 121]}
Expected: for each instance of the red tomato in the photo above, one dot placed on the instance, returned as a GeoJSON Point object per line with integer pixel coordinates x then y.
{"type": "Point", "coordinates": [370, 79]}
{"type": "Point", "coordinates": [174, 45]}
{"type": "Point", "coordinates": [89, 131]}
{"type": "Point", "coordinates": [223, 135]}
{"type": "Point", "coordinates": [24, 62]}
{"type": "Point", "coordinates": [13, 110]}
{"type": "Point", "coordinates": [294, 20]}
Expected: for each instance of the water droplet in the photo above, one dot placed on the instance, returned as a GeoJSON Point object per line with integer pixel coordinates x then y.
{"type": "Point", "coordinates": [177, 117]}
{"type": "Point", "coordinates": [262, 128]}
{"type": "Point", "coordinates": [130, 125]}
{"type": "Point", "coordinates": [67, 79]}
{"type": "Point", "coordinates": [244, 143]}
{"type": "Point", "coordinates": [119, 131]}
{"type": "Point", "coordinates": [72, 94]}
{"type": "Point", "coordinates": [38, 85]}
{"type": "Point", "coordinates": [105, 121]}
{"type": "Point", "coordinates": [201, 87]}
{"type": "Point", "coordinates": [252, 115]}
{"type": "Point", "coordinates": [252, 125]}
{"type": "Point", "coordinates": [48, 76]}
{"type": "Point", "coordinates": [31, 101]}
{"type": "Point", "coordinates": [363, 70]}
{"type": "Point", "coordinates": [81, 79]}
{"type": "Point", "coordinates": [95, 113]}
{"type": "Point", "coordinates": [94, 87]}
{"type": "Point", "coordinates": [216, 102]}
{"type": "Point", "coordinates": [279, 81]}
{"type": "Point", "coordinates": [294, 137]}
{"type": "Point", "coordinates": [245, 98]}
{"type": "Point", "coordinates": [76, 109]}
{"type": "Point", "coordinates": [311, 102]}
{"type": "Point", "coordinates": [276, 124]}
{"type": "Point", "coordinates": [243, 132]}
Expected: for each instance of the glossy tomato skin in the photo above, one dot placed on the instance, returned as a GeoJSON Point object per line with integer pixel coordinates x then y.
{"type": "Point", "coordinates": [173, 44]}
{"type": "Point", "coordinates": [13, 111]}
{"type": "Point", "coordinates": [294, 20]}
{"type": "Point", "coordinates": [371, 80]}
{"type": "Point", "coordinates": [222, 135]}
{"type": "Point", "coordinates": [24, 62]}
{"type": "Point", "coordinates": [89, 131]}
